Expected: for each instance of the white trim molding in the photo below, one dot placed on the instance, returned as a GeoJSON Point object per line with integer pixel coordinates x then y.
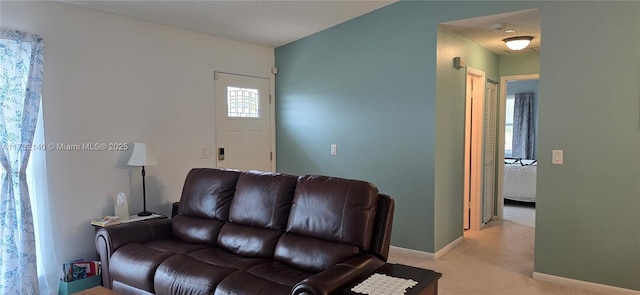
{"type": "Point", "coordinates": [583, 284]}
{"type": "Point", "coordinates": [449, 247]}
{"type": "Point", "coordinates": [411, 254]}
{"type": "Point", "coordinates": [417, 255]}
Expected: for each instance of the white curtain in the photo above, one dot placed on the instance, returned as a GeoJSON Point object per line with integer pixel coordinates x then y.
{"type": "Point", "coordinates": [20, 92]}
{"type": "Point", "coordinates": [48, 265]}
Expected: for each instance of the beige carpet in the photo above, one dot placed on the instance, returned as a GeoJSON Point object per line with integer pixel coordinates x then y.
{"type": "Point", "coordinates": [496, 260]}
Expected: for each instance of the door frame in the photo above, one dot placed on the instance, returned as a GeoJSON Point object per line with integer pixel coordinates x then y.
{"type": "Point", "coordinates": [473, 157]}
{"type": "Point", "coordinates": [272, 109]}
{"type": "Point", "coordinates": [501, 137]}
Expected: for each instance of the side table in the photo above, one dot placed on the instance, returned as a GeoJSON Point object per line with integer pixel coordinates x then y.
{"type": "Point", "coordinates": [427, 279]}
{"type": "Point", "coordinates": [134, 218]}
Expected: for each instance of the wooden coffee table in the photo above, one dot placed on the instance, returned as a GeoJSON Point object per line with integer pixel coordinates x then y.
{"type": "Point", "coordinates": [96, 291]}
{"type": "Point", "coordinates": [427, 279]}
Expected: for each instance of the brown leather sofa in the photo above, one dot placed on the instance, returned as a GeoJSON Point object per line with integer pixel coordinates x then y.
{"type": "Point", "coordinates": [252, 233]}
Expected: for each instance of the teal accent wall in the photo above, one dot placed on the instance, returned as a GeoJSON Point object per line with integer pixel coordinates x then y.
{"type": "Point", "coordinates": [588, 210]}
{"type": "Point", "coordinates": [524, 63]}
{"type": "Point", "coordinates": [359, 86]}
{"type": "Point", "coordinates": [373, 86]}
{"type": "Point", "coordinates": [450, 122]}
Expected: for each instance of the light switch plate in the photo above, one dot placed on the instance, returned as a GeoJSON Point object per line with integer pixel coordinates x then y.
{"type": "Point", "coordinates": [557, 157]}
{"type": "Point", "coordinates": [205, 152]}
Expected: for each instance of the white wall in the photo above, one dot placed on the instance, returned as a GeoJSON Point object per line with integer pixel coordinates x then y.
{"type": "Point", "coordinates": [115, 79]}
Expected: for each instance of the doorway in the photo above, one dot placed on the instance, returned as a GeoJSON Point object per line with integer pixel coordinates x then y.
{"type": "Point", "coordinates": [243, 122]}
{"type": "Point", "coordinates": [522, 192]}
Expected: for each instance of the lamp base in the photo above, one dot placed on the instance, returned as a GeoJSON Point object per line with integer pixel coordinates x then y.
{"type": "Point", "coordinates": [145, 213]}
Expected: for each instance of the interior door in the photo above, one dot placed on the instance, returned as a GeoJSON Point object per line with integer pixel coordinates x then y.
{"type": "Point", "coordinates": [489, 173]}
{"type": "Point", "coordinates": [243, 122]}
{"type": "Point", "coordinates": [473, 157]}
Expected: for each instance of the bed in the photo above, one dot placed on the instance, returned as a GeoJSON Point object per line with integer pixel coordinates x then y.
{"type": "Point", "coordinates": [520, 179]}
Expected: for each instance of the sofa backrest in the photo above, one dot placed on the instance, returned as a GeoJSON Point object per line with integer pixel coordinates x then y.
{"type": "Point", "coordinates": [331, 220]}
{"type": "Point", "coordinates": [311, 222]}
{"type": "Point", "coordinates": [204, 205]}
{"type": "Point", "coordinates": [258, 213]}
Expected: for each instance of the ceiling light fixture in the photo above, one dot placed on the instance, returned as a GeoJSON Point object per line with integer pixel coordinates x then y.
{"type": "Point", "coordinates": [518, 43]}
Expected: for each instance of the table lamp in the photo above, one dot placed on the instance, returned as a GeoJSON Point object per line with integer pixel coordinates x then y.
{"type": "Point", "coordinates": [142, 155]}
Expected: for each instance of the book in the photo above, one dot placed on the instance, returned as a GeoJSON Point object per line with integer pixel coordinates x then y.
{"type": "Point", "coordinates": [78, 269]}
{"type": "Point", "coordinates": [84, 269]}
{"type": "Point", "coordinates": [106, 221]}
{"type": "Point", "coordinates": [67, 270]}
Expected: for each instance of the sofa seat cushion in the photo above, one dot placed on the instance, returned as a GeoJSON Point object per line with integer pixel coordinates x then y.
{"type": "Point", "coordinates": [122, 288]}
{"type": "Point", "coordinates": [218, 256]}
{"type": "Point", "coordinates": [311, 254]}
{"type": "Point", "coordinates": [242, 282]}
{"type": "Point", "coordinates": [174, 246]}
{"type": "Point", "coordinates": [279, 273]}
{"type": "Point", "coordinates": [182, 274]}
{"type": "Point", "coordinates": [135, 265]}
{"type": "Point", "coordinates": [248, 241]}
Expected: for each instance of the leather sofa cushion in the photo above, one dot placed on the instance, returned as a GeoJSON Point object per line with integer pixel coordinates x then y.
{"type": "Point", "coordinates": [135, 265]}
{"type": "Point", "coordinates": [204, 205]}
{"type": "Point", "coordinates": [258, 213]}
{"type": "Point", "coordinates": [181, 274]}
{"type": "Point", "coordinates": [245, 283]}
{"type": "Point", "coordinates": [196, 230]}
{"type": "Point", "coordinates": [223, 257]}
{"type": "Point", "coordinates": [263, 199]}
{"type": "Point", "coordinates": [174, 246]}
{"type": "Point", "coordinates": [280, 273]}
{"type": "Point", "coordinates": [207, 193]}
{"type": "Point", "coordinates": [334, 209]}
{"type": "Point", "coordinates": [248, 241]}
{"type": "Point", "coordinates": [310, 254]}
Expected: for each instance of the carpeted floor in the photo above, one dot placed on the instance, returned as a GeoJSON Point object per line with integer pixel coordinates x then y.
{"type": "Point", "coordinates": [496, 260]}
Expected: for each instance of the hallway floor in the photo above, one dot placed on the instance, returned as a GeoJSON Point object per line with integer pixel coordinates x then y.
{"type": "Point", "coordinates": [496, 260]}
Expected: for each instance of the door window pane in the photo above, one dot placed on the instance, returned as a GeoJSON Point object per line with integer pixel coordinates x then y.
{"type": "Point", "coordinates": [243, 102]}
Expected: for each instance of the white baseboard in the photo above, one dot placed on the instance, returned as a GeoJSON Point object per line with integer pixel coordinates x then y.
{"type": "Point", "coordinates": [583, 284]}
{"type": "Point", "coordinates": [416, 254]}
{"type": "Point", "coordinates": [449, 247]}
{"type": "Point", "coordinates": [410, 253]}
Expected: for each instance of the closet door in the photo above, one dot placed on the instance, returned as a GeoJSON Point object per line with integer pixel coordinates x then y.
{"type": "Point", "coordinates": [489, 151]}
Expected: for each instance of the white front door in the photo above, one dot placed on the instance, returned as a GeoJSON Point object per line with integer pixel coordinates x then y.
{"type": "Point", "coordinates": [243, 122]}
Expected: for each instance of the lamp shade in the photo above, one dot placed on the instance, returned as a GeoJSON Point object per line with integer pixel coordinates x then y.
{"type": "Point", "coordinates": [518, 43]}
{"type": "Point", "coordinates": [142, 155]}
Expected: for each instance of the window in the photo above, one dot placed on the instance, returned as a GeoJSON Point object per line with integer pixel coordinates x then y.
{"type": "Point", "coordinates": [20, 83]}
{"type": "Point", "coordinates": [508, 126]}
{"type": "Point", "coordinates": [243, 102]}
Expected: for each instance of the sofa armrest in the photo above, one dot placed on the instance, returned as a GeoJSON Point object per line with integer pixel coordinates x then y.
{"type": "Point", "coordinates": [109, 239]}
{"type": "Point", "coordinates": [334, 279]}
{"type": "Point", "coordinates": [381, 238]}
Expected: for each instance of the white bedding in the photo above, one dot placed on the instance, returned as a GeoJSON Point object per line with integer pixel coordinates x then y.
{"type": "Point", "coordinates": [520, 182]}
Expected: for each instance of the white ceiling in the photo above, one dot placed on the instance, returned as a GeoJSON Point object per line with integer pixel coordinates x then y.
{"type": "Point", "coordinates": [268, 23]}
{"type": "Point", "coordinates": [482, 31]}
{"type": "Point", "coordinates": [274, 23]}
